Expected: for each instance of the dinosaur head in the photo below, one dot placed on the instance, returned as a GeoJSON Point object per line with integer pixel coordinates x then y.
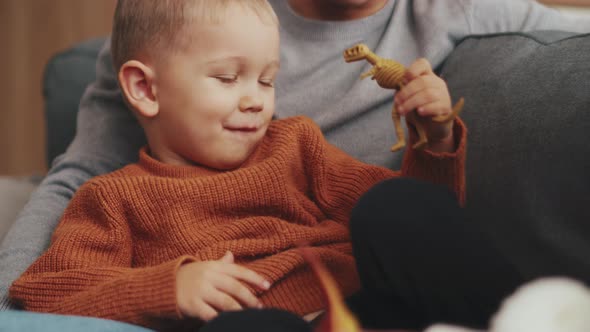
{"type": "Point", "coordinates": [356, 53]}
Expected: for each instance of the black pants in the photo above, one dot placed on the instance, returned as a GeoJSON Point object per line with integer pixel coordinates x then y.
{"type": "Point", "coordinates": [420, 261]}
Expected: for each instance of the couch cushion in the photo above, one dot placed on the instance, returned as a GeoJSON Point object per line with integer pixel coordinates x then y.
{"type": "Point", "coordinates": [66, 76]}
{"type": "Point", "coordinates": [528, 164]}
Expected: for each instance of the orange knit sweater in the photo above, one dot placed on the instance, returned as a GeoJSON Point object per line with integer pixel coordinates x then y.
{"type": "Point", "coordinates": [121, 240]}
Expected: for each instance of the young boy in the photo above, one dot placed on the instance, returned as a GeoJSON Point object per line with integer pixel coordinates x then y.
{"type": "Point", "coordinates": [210, 217]}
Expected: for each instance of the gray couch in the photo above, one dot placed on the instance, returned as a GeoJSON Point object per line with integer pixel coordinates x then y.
{"type": "Point", "coordinates": [528, 163]}
{"type": "Point", "coordinates": [528, 114]}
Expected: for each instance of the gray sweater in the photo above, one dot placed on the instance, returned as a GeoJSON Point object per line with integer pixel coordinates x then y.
{"type": "Point", "coordinates": [314, 81]}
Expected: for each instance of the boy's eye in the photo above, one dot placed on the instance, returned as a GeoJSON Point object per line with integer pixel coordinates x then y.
{"type": "Point", "coordinates": [227, 79]}
{"type": "Point", "coordinates": [268, 83]}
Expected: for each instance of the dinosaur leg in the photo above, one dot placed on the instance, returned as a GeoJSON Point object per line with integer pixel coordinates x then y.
{"type": "Point", "coordinates": [371, 72]}
{"type": "Point", "coordinates": [422, 139]}
{"type": "Point", "coordinates": [401, 140]}
{"type": "Point", "coordinates": [456, 110]}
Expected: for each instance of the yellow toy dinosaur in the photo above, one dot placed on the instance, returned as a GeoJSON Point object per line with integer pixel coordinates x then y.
{"type": "Point", "coordinates": [389, 74]}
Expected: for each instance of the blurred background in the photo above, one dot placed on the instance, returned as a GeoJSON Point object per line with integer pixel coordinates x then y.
{"type": "Point", "coordinates": [31, 31]}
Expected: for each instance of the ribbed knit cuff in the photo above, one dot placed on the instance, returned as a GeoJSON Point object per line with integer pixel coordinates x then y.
{"type": "Point", "coordinates": [153, 291]}
{"type": "Point", "coordinates": [140, 296]}
{"type": "Point", "coordinates": [447, 168]}
{"type": "Point", "coordinates": [460, 138]}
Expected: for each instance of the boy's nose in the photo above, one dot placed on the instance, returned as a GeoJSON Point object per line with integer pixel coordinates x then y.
{"type": "Point", "coordinates": [250, 104]}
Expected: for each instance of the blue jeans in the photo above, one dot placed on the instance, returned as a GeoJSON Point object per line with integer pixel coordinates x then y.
{"type": "Point", "coordinates": [17, 321]}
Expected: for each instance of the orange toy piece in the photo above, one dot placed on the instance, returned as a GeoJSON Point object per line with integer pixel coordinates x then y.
{"type": "Point", "coordinates": [337, 318]}
{"type": "Point", "coordinates": [389, 74]}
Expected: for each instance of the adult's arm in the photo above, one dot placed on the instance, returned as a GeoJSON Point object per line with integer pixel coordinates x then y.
{"type": "Point", "coordinates": [107, 137]}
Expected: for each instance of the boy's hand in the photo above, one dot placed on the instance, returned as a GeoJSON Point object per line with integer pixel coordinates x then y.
{"type": "Point", "coordinates": [428, 94]}
{"type": "Point", "coordinates": [203, 289]}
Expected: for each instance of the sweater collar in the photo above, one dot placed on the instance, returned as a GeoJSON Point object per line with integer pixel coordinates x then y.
{"type": "Point", "coordinates": [157, 168]}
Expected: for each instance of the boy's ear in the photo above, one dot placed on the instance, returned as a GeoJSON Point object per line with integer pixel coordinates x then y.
{"type": "Point", "coordinates": [136, 80]}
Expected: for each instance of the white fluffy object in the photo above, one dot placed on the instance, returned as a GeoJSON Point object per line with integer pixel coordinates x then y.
{"type": "Point", "coordinates": [447, 328]}
{"type": "Point", "coordinates": [545, 305]}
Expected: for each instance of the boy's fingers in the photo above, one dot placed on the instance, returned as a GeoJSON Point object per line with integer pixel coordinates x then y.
{"type": "Point", "coordinates": [238, 291]}
{"type": "Point", "coordinates": [419, 99]}
{"type": "Point", "coordinates": [415, 86]}
{"type": "Point", "coordinates": [433, 109]}
{"type": "Point", "coordinates": [418, 68]}
{"type": "Point", "coordinates": [228, 257]}
{"type": "Point", "coordinates": [246, 275]}
{"type": "Point", "coordinates": [203, 311]}
{"type": "Point", "coordinates": [222, 301]}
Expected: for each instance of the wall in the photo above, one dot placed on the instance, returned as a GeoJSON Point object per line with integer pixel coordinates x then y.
{"type": "Point", "coordinates": [31, 31]}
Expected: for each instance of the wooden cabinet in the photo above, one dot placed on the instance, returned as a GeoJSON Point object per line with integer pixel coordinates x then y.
{"type": "Point", "coordinates": [31, 31]}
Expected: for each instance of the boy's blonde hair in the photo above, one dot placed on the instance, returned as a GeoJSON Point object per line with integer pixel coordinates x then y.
{"type": "Point", "coordinates": [155, 27]}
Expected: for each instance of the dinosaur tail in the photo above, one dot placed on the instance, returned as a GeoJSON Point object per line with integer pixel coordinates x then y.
{"type": "Point", "coordinates": [456, 110]}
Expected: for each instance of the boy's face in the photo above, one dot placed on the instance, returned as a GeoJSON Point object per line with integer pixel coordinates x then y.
{"type": "Point", "coordinates": [216, 98]}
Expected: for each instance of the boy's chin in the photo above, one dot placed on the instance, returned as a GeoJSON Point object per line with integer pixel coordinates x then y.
{"type": "Point", "coordinates": [231, 163]}
{"type": "Point", "coordinates": [228, 166]}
